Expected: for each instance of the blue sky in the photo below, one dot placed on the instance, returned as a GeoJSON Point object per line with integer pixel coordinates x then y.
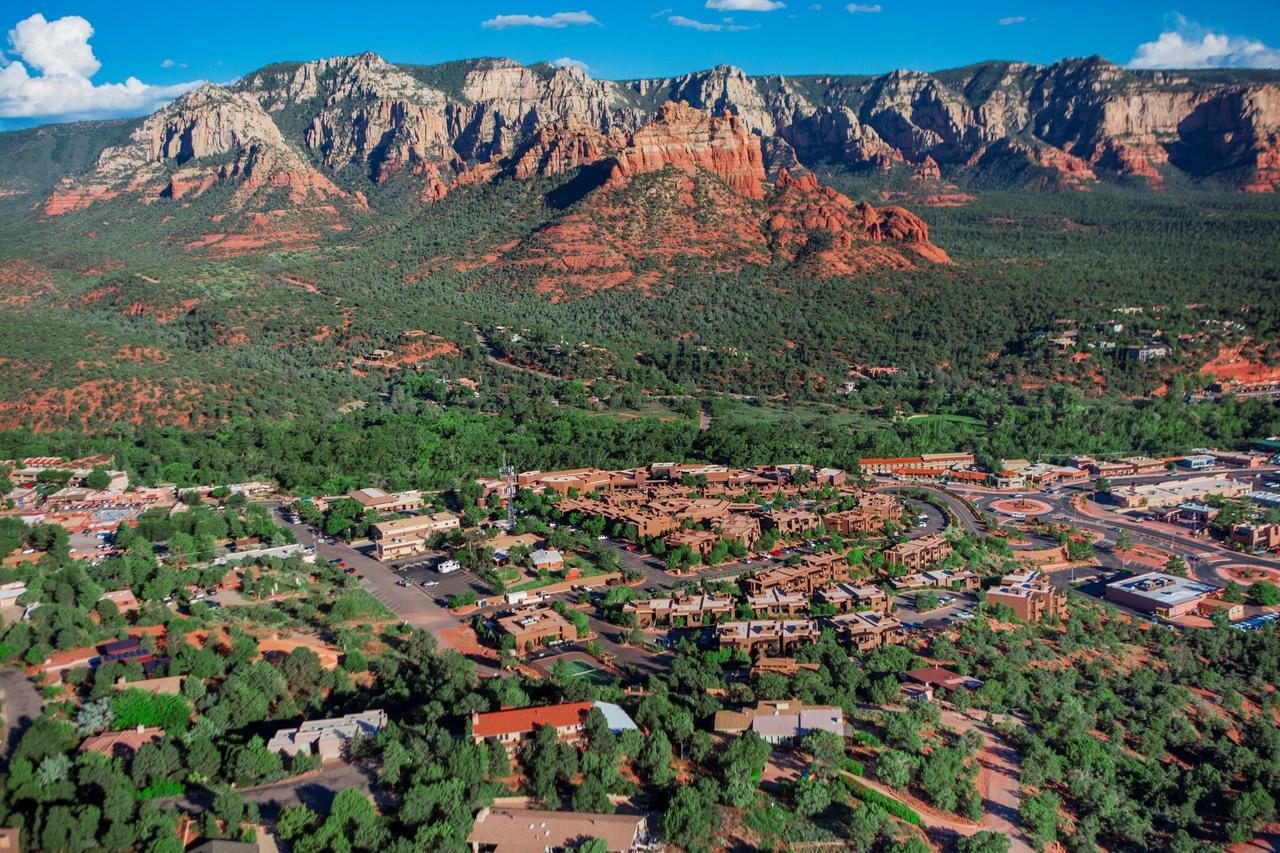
{"type": "Point", "coordinates": [76, 59]}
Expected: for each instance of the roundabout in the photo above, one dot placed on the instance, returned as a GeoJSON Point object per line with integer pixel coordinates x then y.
{"type": "Point", "coordinates": [1247, 575]}
{"type": "Point", "coordinates": [1021, 507]}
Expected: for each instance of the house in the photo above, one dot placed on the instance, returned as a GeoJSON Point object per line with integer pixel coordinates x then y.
{"type": "Point", "coordinates": [550, 561]}
{"type": "Point", "coordinates": [1165, 595]}
{"type": "Point", "coordinates": [10, 840]}
{"type": "Point", "coordinates": [164, 686]}
{"type": "Point", "coordinates": [867, 631]}
{"type": "Point", "coordinates": [123, 599]}
{"type": "Point", "coordinates": [511, 726]}
{"type": "Point", "coordinates": [327, 738]}
{"type": "Point", "coordinates": [533, 626]}
{"type": "Point", "coordinates": [781, 721]}
{"type": "Point", "coordinates": [11, 592]}
{"type": "Point", "coordinates": [122, 744]}
{"type": "Point", "coordinates": [782, 666]}
{"type": "Point", "coordinates": [919, 553]}
{"type": "Point", "coordinates": [511, 830]}
{"type": "Point", "coordinates": [1029, 595]}
{"type": "Point", "coordinates": [936, 677]}
{"type": "Point", "coordinates": [1211, 606]}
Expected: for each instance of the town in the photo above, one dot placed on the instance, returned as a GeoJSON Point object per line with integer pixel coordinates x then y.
{"type": "Point", "coordinates": [599, 585]}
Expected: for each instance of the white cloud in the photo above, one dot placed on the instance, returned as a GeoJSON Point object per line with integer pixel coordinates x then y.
{"type": "Point", "coordinates": [865, 8]}
{"type": "Point", "coordinates": [662, 13]}
{"type": "Point", "coordinates": [815, 7]}
{"type": "Point", "coordinates": [168, 63]}
{"type": "Point", "coordinates": [60, 51]}
{"type": "Point", "coordinates": [567, 62]}
{"type": "Point", "coordinates": [1189, 45]}
{"type": "Point", "coordinates": [1011, 20]}
{"type": "Point", "coordinates": [558, 21]}
{"type": "Point", "coordinates": [745, 5]}
{"type": "Point", "coordinates": [700, 26]}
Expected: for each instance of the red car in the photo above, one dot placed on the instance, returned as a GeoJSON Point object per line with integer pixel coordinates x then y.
{"type": "Point", "coordinates": [342, 565]}
{"type": "Point", "coordinates": [351, 571]}
{"type": "Point", "coordinates": [631, 547]}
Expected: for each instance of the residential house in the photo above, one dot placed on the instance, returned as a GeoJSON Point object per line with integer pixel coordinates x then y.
{"type": "Point", "coordinates": [327, 738]}
{"type": "Point", "coordinates": [936, 677]}
{"type": "Point", "coordinates": [781, 721]}
{"type": "Point", "coordinates": [511, 726]}
{"type": "Point", "coordinates": [122, 744]}
{"type": "Point", "coordinates": [513, 830]}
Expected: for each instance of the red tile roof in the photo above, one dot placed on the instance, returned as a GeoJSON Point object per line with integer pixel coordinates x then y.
{"type": "Point", "coordinates": [515, 720]}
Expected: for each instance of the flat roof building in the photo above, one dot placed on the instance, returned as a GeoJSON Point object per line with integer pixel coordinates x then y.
{"type": "Point", "coordinates": [1165, 595]}
{"type": "Point", "coordinates": [919, 553]}
{"type": "Point", "coordinates": [511, 830]}
{"type": "Point", "coordinates": [536, 625]}
{"type": "Point", "coordinates": [1174, 492]}
{"type": "Point", "coordinates": [327, 738]}
{"type": "Point", "coordinates": [1029, 595]}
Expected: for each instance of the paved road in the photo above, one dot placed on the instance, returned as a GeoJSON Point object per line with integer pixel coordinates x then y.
{"type": "Point", "coordinates": [23, 703]}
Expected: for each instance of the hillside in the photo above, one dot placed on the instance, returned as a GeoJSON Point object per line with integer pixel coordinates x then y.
{"type": "Point", "coordinates": [253, 249]}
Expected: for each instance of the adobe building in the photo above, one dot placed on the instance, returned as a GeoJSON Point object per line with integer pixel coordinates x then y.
{"type": "Point", "coordinates": [1030, 596]}
{"type": "Point", "coordinates": [377, 499]}
{"type": "Point", "coordinates": [1255, 536]}
{"type": "Point", "coordinates": [917, 554]}
{"type": "Point", "coordinates": [694, 611]}
{"type": "Point", "coordinates": [806, 576]}
{"type": "Point", "coordinates": [700, 542]}
{"type": "Point", "coordinates": [867, 631]}
{"type": "Point", "coordinates": [534, 626]}
{"type": "Point", "coordinates": [327, 738]}
{"type": "Point", "coordinates": [775, 604]}
{"type": "Point", "coordinates": [757, 636]}
{"type": "Point", "coordinates": [741, 528]}
{"type": "Point", "coordinates": [789, 522]}
{"type": "Point", "coordinates": [845, 597]}
{"type": "Point", "coordinates": [1164, 595]}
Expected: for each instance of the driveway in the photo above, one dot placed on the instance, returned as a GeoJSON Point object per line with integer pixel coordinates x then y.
{"type": "Point", "coordinates": [23, 703]}
{"type": "Point", "coordinates": [316, 791]}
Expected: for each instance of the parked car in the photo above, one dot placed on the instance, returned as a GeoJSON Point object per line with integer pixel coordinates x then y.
{"type": "Point", "coordinates": [351, 571]}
